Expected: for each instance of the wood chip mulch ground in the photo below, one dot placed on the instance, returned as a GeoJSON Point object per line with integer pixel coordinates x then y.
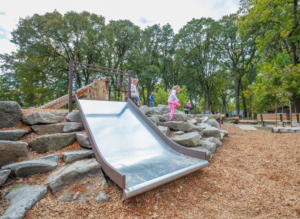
{"type": "Point", "coordinates": [255, 174]}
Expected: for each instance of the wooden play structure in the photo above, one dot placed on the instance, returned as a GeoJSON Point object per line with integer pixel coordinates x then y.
{"type": "Point", "coordinates": [235, 120]}
{"type": "Point", "coordinates": [271, 118]}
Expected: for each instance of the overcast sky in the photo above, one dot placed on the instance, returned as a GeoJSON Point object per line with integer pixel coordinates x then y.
{"type": "Point", "coordinates": [140, 12]}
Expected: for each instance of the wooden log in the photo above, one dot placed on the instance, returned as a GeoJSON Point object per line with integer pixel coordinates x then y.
{"type": "Point", "coordinates": [248, 122]}
{"type": "Point", "coordinates": [286, 130]}
{"type": "Point", "coordinates": [99, 90]}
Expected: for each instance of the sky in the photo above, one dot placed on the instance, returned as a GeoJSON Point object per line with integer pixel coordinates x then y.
{"type": "Point", "coordinates": [141, 12]}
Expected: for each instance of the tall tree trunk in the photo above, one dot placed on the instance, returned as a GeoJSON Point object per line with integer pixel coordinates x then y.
{"type": "Point", "coordinates": [244, 101]}
{"type": "Point", "coordinates": [236, 91]}
{"type": "Point", "coordinates": [204, 95]}
{"type": "Point", "coordinates": [297, 103]}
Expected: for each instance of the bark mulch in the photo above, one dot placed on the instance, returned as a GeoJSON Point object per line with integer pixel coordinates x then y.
{"type": "Point", "coordinates": [255, 174]}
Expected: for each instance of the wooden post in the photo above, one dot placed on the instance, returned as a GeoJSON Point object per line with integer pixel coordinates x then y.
{"type": "Point", "coordinates": [71, 63]}
{"type": "Point", "coordinates": [129, 84]}
{"type": "Point", "coordinates": [291, 117]}
{"type": "Point", "coordinates": [276, 113]}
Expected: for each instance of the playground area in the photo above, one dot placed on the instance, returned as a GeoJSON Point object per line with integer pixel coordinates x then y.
{"type": "Point", "coordinates": [254, 174]}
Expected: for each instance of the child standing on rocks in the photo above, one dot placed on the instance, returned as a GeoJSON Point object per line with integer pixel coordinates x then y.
{"type": "Point", "coordinates": [173, 100]}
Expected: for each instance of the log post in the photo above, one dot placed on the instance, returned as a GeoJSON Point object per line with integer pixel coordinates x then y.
{"type": "Point", "coordinates": [276, 113]}
{"type": "Point", "coordinates": [71, 66]}
{"type": "Point", "coordinates": [291, 116]}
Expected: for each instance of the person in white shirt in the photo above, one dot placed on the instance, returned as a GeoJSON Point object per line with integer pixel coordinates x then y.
{"type": "Point", "coordinates": [173, 100]}
{"type": "Point", "coordinates": [134, 94]}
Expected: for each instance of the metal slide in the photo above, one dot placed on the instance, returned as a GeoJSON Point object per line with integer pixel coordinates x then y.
{"type": "Point", "coordinates": [133, 152]}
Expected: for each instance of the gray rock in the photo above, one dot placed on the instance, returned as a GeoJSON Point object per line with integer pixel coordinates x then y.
{"type": "Point", "coordinates": [197, 119]}
{"type": "Point", "coordinates": [71, 156]}
{"type": "Point", "coordinates": [10, 115]}
{"type": "Point", "coordinates": [73, 117]}
{"type": "Point", "coordinates": [176, 117]}
{"type": "Point", "coordinates": [193, 121]}
{"type": "Point", "coordinates": [180, 126]}
{"type": "Point", "coordinates": [160, 118]}
{"type": "Point", "coordinates": [74, 173]}
{"type": "Point", "coordinates": [200, 148]}
{"type": "Point", "coordinates": [179, 133]}
{"type": "Point", "coordinates": [215, 140]}
{"type": "Point", "coordinates": [83, 140]}
{"type": "Point", "coordinates": [144, 109]}
{"type": "Point", "coordinates": [210, 146]}
{"type": "Point", "coordinates": [151, 111]}
{"type": "Point", "coordinates": [155, 120]}
{"type": "Point", "coordinates": [3, 176]}
{"type": "Point", "coordinates": [191, 139]}
{"type": "Point", "coordinates": [204, 119]}
{"type": "Point", "coordinates": [13, 135]}
{"type": "Point", "coordinates": [100, 197]}
{"type": "Point", "coordinates": [211, 132]}
{"type": "Point", "coordinates": [73, 126]}
{"type": "Point", "coordinates": [22, 200]}
{"type": "Point", "coordinates": [52, 142]}
{"type": "Point", "coordinates": [43, 117]}
{"type": "Point", "coordinates": [48, 129]}
{"type": "Point", "coordinates": [32, 167]}
{"type": "Point", "coordinates": [12, 150]}
{"type": "Point", "coordinates": [222, 136]}
{"type": "Point", "coordinates": [224, 132]}
{"type": "Point", "coordinates": [214, 116]}
{"type": "Point", "coordinates": [164, 130]}
{"type": "Point", "coordinates": [189, 116]}
{"type": "Point", "coordinates": [212, 122]}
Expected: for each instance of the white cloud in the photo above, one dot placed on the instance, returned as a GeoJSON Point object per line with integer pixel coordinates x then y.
{"type": "Point", "coordinates": [175, 12]}
{"type": "Point", "coordinates": [6, 46]}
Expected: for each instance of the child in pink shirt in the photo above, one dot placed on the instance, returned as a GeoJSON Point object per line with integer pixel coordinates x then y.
{"type": "Point", "coordinates": [173, 100]}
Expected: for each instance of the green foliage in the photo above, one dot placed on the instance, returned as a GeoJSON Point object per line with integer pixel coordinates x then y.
{"type": "Point", "coordinates": [14, 187]}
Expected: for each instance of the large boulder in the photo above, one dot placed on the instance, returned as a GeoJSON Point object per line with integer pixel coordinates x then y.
{"type": "Point", "coordinates": [3, 176]}
{"type": "Point", "coordinates": [83, 140]}
{"type": "Point", "coordinates": [211, 132]}
{"type": "Point", "coordinates": [71, 156]}
{"type": "Point", "coordinates": [212, 122]}
{"type": "Point", "coordinates": [193, 121]}
{"type": "Point", "coordinates": [164, 130]}
{"type": "Point", "coordinates": [48, 129]}
{"type": "Point", "coordinates": [74, 173]}
{"type": "Point", "coordinates": [10, 115]}
{"type": "Point", "coordinates": [43, 117]}
{"type": "Point", "coordinates": [144, 109]}
{"type": "Point", "coordinates": [176, 117]}
{"type": "Point", "coordinates": [179, 133]}
{"type": "Point", "coordinates": [32, 167]}
{"type": "Point", "coordinates": [191, 139]}
{"type": "Point", "coordinates": [224, 132]}
{"type": "Point", "coordinates": [189, 116]}
{"type": "Point", "coordinates": [210, 146]}
{"type": "Point", "coordinates": [22, 199]}
{"type": "Point", "coordinates": [52, 142]}
{"type": "Point", "coordinates": [73, 126]}
{"type": "Point", "coordinates": [13, 135]}
{"type": "Point", "coordinates": [12, 150]}
{"type": "Point", "coordinates": [180, 126]}
{"type": "Point", "coordinates": [203, 119]}
{"type": "Point", "coordinates": [73, 117]}
{"type": "Point", "coordinates": [215, 140]}
{"type": "Point", "coordinates": [214, 116]}
{"type": "Point", "coordinates": [155, 120]}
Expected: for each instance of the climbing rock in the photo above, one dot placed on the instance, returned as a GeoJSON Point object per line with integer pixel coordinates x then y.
{"type": "Point", "coordinates": [180, 126]}
{"type": "Point", "coordinates": [74, 173]}
{"type": "Point", "coordinates": [43, 117]}
{"type": "Point", "coordinates": [3, 176]}
{"type": "Point", "coordinates": [73, 117]}
{"type": "Point", "coordinates": [164, 130]}
{"type": "Point", "coordinates": [13, 135]}
{"type": "Point", "coordinates": [210, 146]}
{"type": "Point", "coordinates": [224, 132]}
{"type": "Point", "coordinates": [189, 116]}
{"type": "Point", "coordinates": [204, 119]}
{"type": "Point", "coordinates": [144, 109]}
{"type": "Point", "coordinates": [193, 121]}
{"type": "Point", "coordinates": [83, 140]}
{"type": "Point", "coordinates": [179, 133]}
{"type": "Point", "coordinates": [12, 150]}
{"type": "Point", "coordinates": [10, 115]}
{"type": "Point", "coordinates": [32, 167]}
{"type": "Point", "coordinates": [71, 156]}
{"type": "Point", "coordinates": [22, 199]}
{"type": "Point", "coordinates": [200, 148]}
{"type": "Point", "coordinates": [52, 142]}
{"type": "Point", "coordinates": [211, 132]}
{"type": "Point", "coordinates": [213, 123]}
{"type": "Point", "coordinates": [100, 197]}
{"type": "Point", "coordinates": [191, 139]}
{"type": "Point", "coordinates": [73, 126]}
{"type": "Point", "coordinates": [215, 140]}
{"type": "Point", "coordinates": [176, 117]}
{"type": "Point", "coordinates": [48, 129]}
{"type": "Point", "coordinates": [155, 120]}
{"type": "Point", "coordinates": [209, 116]}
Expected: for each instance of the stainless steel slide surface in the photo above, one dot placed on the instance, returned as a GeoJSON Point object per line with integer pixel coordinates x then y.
{"type": "Point", "coordinates": [130, 149]}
